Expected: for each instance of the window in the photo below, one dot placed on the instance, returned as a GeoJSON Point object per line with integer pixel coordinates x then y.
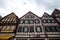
{"type": "Point", "coordinates": [29, 16]}
{"type": "Point", "coordinates": [31, 28]}
{"type": "Point", "coordinates": [56, 15]}
{"type": "Point", "coordinates": [4, 27]}
{"type": "Point", "coordinates": [25, 29]}
{"type": "Point", "coordinates": [48, 29]}
{"type": "Point", "coordinates": [38, 29]}
{"type": "Point", "coordinates": [48, 21]}
{"type": "Point", "coordinates": [52, 29]}
{"type": "Point", "coordinates": [8, 19]}
{"type": "Point", "coordinates": [53, 21]}
{"type": "Point", "coordinates": [31, 21]}
{"type": "Point", "coordinates": [26, 21]}
{"type": "Point", "coordinates": [0, 27]}
{"type": "Point", "coordinates": [11, 19]}
{"type": "Point", "coordinates": [20, 29]}
{"type": "Point", "coordinates": [37, 21]}
{"type": "Point", "coordinates": [8, 27]}
{"type": "Point", "coordinates": [3, 20]}
{"type": "Point", "coordinates": [46, 16]}
{"type": "Point", "coordinates": [21, 21]}
{"type": "Point", "coordinates": [58, 29]}
{"type": "Point", "coordinates": [44, 21]}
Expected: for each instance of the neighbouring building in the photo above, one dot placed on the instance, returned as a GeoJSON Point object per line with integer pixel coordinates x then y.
{"type": "Point", "coordinates": [0, 19]}
{"type": "Point", "coordinates": [30, 28]}
{"type": "Point", "coordinates": [51, 27]}
{"type": "Point", "coordinates": [8, 26]}
{"type": "Point", "coordinates": [56, 15]}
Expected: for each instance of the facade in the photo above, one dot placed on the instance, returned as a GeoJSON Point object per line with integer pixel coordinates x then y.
{"type": "Point", "coordinates": [8, 25]}
{"type": "Point", "coordinates": [31, 27]}
{"type": "Point", "coordinates": [51, 27]}
{"type": "Point", "coordinates": [56, 15]}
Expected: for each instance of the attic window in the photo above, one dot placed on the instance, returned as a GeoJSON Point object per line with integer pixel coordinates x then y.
{"type": "Point", "coordinates": [46, 16]}
{"type": "Point", "coordinates": [29, 16]}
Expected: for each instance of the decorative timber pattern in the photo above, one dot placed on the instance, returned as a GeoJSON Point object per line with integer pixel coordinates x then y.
{"type": "Point", "coordinates": [31, 26]}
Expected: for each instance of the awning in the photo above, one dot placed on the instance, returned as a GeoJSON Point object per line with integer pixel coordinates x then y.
{"type": "Point", "coordinates": [5, 36]}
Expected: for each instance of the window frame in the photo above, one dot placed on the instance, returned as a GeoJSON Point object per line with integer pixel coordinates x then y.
{"type": "Point", "coordinates": [51, 29]}
{"type": "Point", "coordinates": [30, 29]}
{"type": "Point", "coordinates": [26, 30]}
{"type": "Point", "coordinates": [21, 22]}
{"type": "Point", "coordinates": [30, 22]}
{"type": "Point", "coordinates": [20, 28]}
{"type": "Point", "coordinates": [37, 20]}
{"type": "Point", "coordinates": [30, 16]}
{"type": "Point", "coordinates": [40, 30]}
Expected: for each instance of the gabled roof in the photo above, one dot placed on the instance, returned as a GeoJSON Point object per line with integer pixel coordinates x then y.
{"type": "Point", "coordinates": [30, 13]}
{"type": "Point", "coordinates": [55, 11]}
{"type": "Point", "coordinates": [45, 14]}
{"type": "Point", "coordinates": [9, 16]}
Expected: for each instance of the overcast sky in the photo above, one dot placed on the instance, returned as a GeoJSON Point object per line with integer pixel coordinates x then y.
{"type": "Point", "coordinates": [21, 7]}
